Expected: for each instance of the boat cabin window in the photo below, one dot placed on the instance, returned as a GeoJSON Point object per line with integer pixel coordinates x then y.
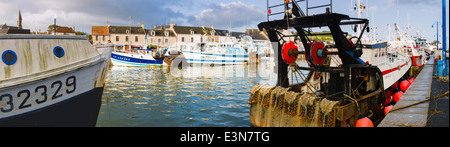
{"type": "Point", "coordinates": [376, 52]}
{"type": "Point", "coordinates": [202, 47]}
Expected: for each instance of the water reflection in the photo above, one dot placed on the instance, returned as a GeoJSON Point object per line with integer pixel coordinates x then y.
{"type": "Point", "coordinates": [198, 96]}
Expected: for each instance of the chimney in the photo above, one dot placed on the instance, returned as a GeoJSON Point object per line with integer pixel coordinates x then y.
{"type": "Point", "coordinates": [143, 25]}
{"type": "Point", "coordinates": [171, 25]}
{"type": "Point", "coordinates": [154, 26]}
{"type": "Point", "coordinates": [109, 23]}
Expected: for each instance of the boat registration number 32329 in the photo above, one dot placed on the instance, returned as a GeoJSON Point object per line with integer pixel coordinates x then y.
{"type": "Point", "coordinates": [42, 93]}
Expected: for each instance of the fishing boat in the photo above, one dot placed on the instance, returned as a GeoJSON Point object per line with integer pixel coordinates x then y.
{"type": "Point", "coordinates": [401, 42]}
{"type": "Point", "coordinates": [345, 81]}
{"type": "Point", "coordinates": [138, 57]}
{"type": "Point", "coordinates": [51, 80]}
{"type": "Point", "coordinates": [220, 53]}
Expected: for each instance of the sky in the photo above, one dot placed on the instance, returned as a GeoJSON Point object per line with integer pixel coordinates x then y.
{"type": "Point", "coordinates": [37, 15]}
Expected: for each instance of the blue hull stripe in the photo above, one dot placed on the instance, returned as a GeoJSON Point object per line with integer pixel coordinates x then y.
{"type": "Point", "coordinates": [136, 64]}
{"type": "Point", "coordinates": [218, 61]}
{"type": "Point", "coordinates": [220, 55]}
{"type": "Point", "coordinates": [131, 60]}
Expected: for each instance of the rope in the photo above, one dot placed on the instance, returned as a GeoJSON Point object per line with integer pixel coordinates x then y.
{"type": "Point", "coordinates": [357, 105]}
{"type": "Point", "coordinates": [435, 98]}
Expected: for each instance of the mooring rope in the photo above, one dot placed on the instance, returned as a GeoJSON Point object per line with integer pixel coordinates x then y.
{"type": "Point", "coordinates": [434, 98]}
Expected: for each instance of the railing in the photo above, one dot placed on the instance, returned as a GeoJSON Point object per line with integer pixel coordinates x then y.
{"type": "Point", "coordinates": [295, 2]}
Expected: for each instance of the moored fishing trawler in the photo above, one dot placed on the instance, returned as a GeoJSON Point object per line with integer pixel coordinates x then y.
{"type": "Point", "coordinates": [400, 42]}
{"type": "Point", "coordinates": [346, 81]}
{"type": "Point", "coordinates": [221, 53]}
{"type": "Point", "coordinates": [51, 80]}
{"type": "Point", "coordinates": [138, 57]}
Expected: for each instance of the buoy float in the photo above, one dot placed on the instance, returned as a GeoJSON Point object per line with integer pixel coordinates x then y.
{"type": "Point", "coordinates": [387, 109]}
{"type": "Point", "coordinates": [411, 80]}
{"type": "Point", "coordinates": [394, 86]}
{"type": "Point", "coordinates": [388, 96]}
{"type": "Point", "coordinates": [404, 85]}
{"type": "Point", "coordinates": [397, 96]}
{"type": "Point", "coordinates": [286, 47]}
{"type": "Point", "coordinates": [364, 122]}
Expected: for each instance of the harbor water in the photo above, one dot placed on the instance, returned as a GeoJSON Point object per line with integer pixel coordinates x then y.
{"type": "Point", "coordinates": [195, 96]}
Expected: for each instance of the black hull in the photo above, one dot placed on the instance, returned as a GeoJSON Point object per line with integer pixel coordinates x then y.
{"type": "Point", "coordinates": [79, 111]}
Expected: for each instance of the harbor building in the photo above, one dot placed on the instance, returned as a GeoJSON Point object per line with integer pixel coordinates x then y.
{"type": "Point", "coordinates": [165, 35]}
{"type": "Point", "coordinates": [62, 30]}
{"type": "Point", "coordinates": [120, 36]}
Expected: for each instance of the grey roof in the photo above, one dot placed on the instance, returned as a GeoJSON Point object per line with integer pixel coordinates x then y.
{"type": "Point", "coordinates": [123, 30]}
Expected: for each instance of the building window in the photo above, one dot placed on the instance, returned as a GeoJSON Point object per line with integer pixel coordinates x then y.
{"type": "Point", "coordinates": [166, 40]}
{"type": "Point", "coordinates": [153, 33]}
{"type": "Point", "coordinates": [192, 39]}
{"type": "Point", "coordinates": [103, 37]}
{"type": "Point", "coordinates": [126, 38]}
{"type": "Point", "coordinates": [159, 40]}
{"type": "Point", "coordinates": [136, 38]}
{"type": "Point", "coordinates": [212, 39]}
{"type": "Point", "coordinates": [96, 37]}
{"type": "Point", "coordinates": [151, 40]}
{"type": "Point", "coordinates": [182, 39]}
{"type": "Point", "coordinates": [192, 32]}
{"type": "Point", "coordinates": [117, 38]}
{"type": "Point", "coordinates": [128, 31]}
{"type": "Point", "coordinates": [167, 33]}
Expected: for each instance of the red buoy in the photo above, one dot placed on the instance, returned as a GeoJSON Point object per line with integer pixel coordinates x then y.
{"type": "Point", "coordinates": [411, 80]}
{"type": "Point", "coordinates": [286, 47]}
{"type": "Point", "coordinates": [394, 86]}
{"type": "Point", "coordinates": [387, 109]}
{"type": "Point", "coordinates": [364, 122]}
{"type": "Point", "coordinates": [397, 96]}
{"type": "Point", "coordinates": [388, 96]}
{"type": "Point", "coordinates": [404, 85]}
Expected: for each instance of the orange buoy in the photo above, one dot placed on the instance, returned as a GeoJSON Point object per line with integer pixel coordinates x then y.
{"type": "Point", "coordinates": [404, 85]}
{"type": "Point", "coordinates": [397, 96]}
{"type": "Point", "coordinates": [286, 47]}
{"type": "Point", "coordinates": [387, 109]}
{"type": "Point", "coordinates": [364, 122]}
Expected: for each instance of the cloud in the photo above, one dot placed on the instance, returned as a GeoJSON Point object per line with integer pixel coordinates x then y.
{"type": "Point", "coordinates": [220, 15]}
{"type": "Point", "coordinates": [414, 2]}
{"type": "Point", "coordinates": [38, 14]}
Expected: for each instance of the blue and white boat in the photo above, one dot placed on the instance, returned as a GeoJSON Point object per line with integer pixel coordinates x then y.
{"type": "Point", "coordinates": [140, 57]}
{"type": "Point", "coordinates": [215, 54]}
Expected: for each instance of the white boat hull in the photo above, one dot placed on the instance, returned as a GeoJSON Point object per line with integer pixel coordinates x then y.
{"type": "Point", "coordinates": [47, 88]}
{"type": "Point", "coordinates": [126, 59]}
{"type": "Point", "coordinates": [393, 67]}
{"type": "Point", "coordinates": [208, 58]}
